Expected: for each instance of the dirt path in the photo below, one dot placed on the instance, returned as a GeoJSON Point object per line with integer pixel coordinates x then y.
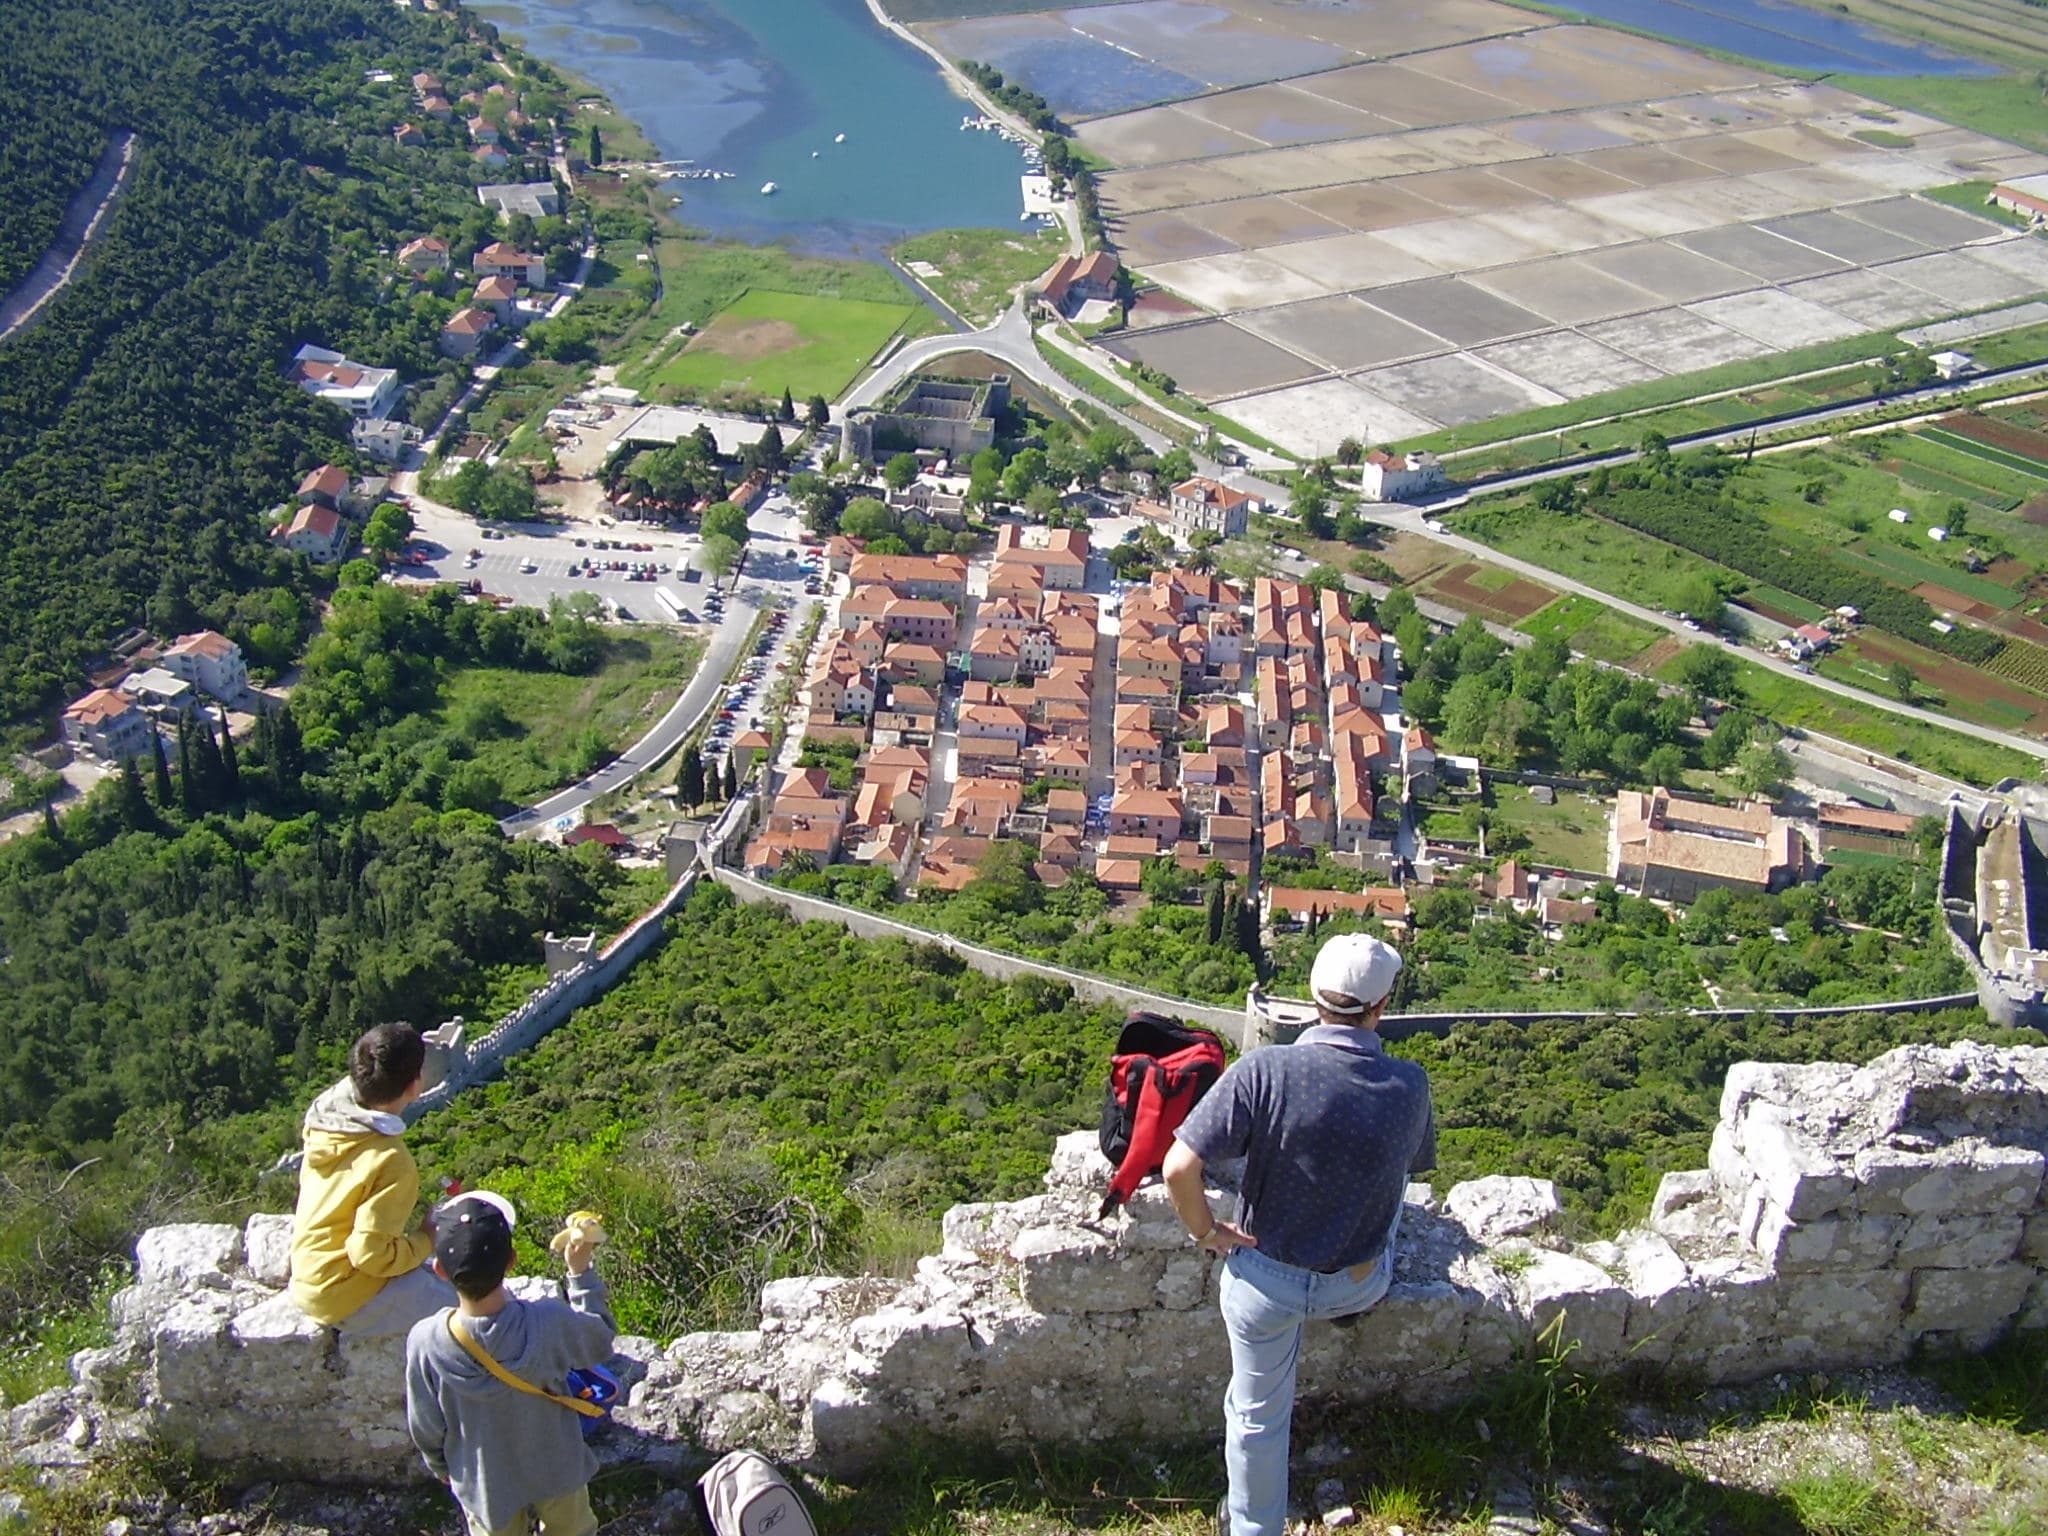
{"type": "Point", "coordinates": [82, 221]}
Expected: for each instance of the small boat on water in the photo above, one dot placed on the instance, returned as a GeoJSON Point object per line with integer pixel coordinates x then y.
{"type": "Point", "coordinates": [839, 138]}
{"type": "Point", "coordinates": [767, 189]}
{"type": "Point", "coordinates": [814, 154]}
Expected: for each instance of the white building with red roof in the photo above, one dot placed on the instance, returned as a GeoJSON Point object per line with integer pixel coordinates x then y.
{"type": "Point", "coordinates": [210, 662]}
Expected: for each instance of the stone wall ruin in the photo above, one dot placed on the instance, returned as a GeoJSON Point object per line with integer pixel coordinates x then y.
{"type": "Point", "coordinates": [1847, 1216]}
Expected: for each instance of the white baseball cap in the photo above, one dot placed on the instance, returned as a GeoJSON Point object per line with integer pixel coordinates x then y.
{"type": "Point", "coordinates": [1357, 966]}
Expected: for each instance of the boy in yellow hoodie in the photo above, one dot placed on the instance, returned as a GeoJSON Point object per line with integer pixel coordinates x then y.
{"type": "Point", "coordinates": [357, 1262]}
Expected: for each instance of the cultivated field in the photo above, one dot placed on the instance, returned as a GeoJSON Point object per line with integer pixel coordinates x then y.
{"type": "Point", "coordinates": [1592, 629]}
{"type": "Point", "coordinates": [765, 342]}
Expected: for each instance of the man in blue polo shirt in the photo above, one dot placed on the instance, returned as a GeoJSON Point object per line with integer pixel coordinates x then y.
{"type": "Point", "coordinates": [1329, 1128]}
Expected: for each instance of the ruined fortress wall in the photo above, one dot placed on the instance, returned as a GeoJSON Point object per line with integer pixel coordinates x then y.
{"type": "Point", "coordinates": [1847, 1216]}
{"type": "Point", "coordinates": [1228, 1021]}
{"type": "Point", "coordinates": [550, 1006]}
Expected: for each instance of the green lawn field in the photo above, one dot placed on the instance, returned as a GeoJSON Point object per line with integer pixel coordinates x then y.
{"type": "Point", "coordinates": [1866, 725]}
{"type": "Point", "coordinates": [766, 342]}
{"type": "Point", "coordinates": [538, 730]}
{"type": "Point", "coordinates": [1590, 628]}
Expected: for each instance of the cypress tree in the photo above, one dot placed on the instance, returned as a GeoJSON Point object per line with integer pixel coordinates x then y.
{"type": "Point", "coordinates": [1248, 936]}
{"type": "Point", "coordinates": [231, 768]}
{"type": "Point", "coordinates": [1215, 912]}
{"type": "Point", "coordinates": [207, 759]}
{"type": "Point", "coordinates": [690, 777]}
{"type": "Point", "coordinates": [188, 771]}
{"type": "Point", "coordinates": [163, 770]}
{"type": "Point", "coordinates": [288, 766]}
{"type": "Point", "coordinates": [131, 802]}
{"type": "Point", "coordinates": [732, 778]}
{"type": "Point", "coordinates": [51, 830]}
{"type": "Point", "coordinates": [787, 410]}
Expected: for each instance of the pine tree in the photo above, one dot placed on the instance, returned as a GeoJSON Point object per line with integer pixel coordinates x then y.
{"type": "Point", "coordinates": [163, 771]}
{"type": "Point", "coordinates": [690, 777]}
{"type": "Point", "coordinates": [231, 767]}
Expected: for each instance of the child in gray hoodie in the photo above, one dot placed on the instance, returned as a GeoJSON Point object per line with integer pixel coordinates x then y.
{"type": "Point", "coordinates": [512, 1459]}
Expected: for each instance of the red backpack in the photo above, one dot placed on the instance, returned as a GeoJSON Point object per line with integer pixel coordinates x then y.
{"type": "Point", "coordinates": [1161, 1069]}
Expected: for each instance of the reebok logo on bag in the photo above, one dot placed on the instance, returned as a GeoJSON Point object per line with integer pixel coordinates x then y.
{"type": "Point", "coordinates": [743, 1495]}
{"type": "Point", "coordinates": [1161, 1069]}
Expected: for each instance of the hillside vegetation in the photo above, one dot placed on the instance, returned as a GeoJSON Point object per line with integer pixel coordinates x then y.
{"type": "Point", "coordinates": [764, 1097]}
{"type": "Point", "coordinates": [145, 419]}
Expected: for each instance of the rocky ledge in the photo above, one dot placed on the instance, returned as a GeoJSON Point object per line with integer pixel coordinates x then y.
{"type": "Point", "coordinates": [1846, 1217]}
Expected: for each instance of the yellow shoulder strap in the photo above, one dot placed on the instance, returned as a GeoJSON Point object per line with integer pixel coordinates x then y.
{"type": "Point", "coordinates": [484, 1358]}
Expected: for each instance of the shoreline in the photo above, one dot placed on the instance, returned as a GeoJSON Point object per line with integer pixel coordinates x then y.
{"type": "Point", "coordinates": [965, 87]}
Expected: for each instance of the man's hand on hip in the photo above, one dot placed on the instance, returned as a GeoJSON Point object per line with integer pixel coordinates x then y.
{"type": "Point", "coordinates": [1224, 1238]}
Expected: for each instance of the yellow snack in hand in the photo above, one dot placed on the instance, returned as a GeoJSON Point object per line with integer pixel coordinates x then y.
{"type": "Point", "coordinates": [581, 1227]}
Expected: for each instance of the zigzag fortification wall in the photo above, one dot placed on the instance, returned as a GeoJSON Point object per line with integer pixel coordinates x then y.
{"type": "Point", "coordinates": [1847, 1216]}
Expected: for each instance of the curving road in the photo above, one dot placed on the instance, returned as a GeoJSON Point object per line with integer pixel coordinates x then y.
{"type": "Point", "coordinates": [82, 221]}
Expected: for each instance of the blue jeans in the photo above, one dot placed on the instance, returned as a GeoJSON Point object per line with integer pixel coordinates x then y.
{"type": "Point", "coordinates": [1264, 1305]}
{"type": "Point", "coordinates": [402, 1301]}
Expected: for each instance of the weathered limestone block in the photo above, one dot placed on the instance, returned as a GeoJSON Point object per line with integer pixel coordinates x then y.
{"type": "Point", "coordinates": [905, 1351]}
{"type": "Point", "coordinates": [267, 1249]}
{"type": "Point", "coordinates": [1968, 1300]}
{"type": "Point", "coordinates": [1503, 1206]}
{"type": "Point", "coordinates": [1497, 1328]}
{"type": "Point", "coordinates": [986, 1228]}
{"type": "Point", "coordinates": [1078, 1163]}
{"type": "Point", "coordinates": [1843, 1319]}
{"type": "Point", "coordinates": [1736, 1303]}
{"type": "Point", "coordinates": [2035, 1313]}
{"type": "Point", "coordinates": [1688, 1212]}
{"type": "Point", "coordinates": [847, 1429]}
{"type": "Point", "coordinates": [1660, 1292]}
{"type": "Point", "coordinates": [1170, 1367]}
{"type": "Point", "coordinates": [1067, 1269]}
{"type": "Point", "coordinates": [1833, 1242]}
{"type": "Point", "coordinates": [1803, 1179]}
{"type": "Point", "coordinates": [1594, 1308]}
{"type": "Point", "coordinates": [1979, 1177]}
{"type": "Point", "coordinates": [801, 1297]}
{"type": "Point", "coordinates": [1149, 1220]}
{"type": "Point", "coordinates": [283, 1360]}
{"type": "Point", "coordinates": [1183, 1282]}
{"type": "Point", "coordinates": [194, 1349]}
{"type": "Point", "coordinates": [1961, 1242]}
{"type": "Point", "coordinates": [188, 1251]}
{"type": "Point", "coordinates": [2034, 1245]}
{"type": "Point", "coordinates": [1417, 1328]}
{"type": "Point", "coordinates": [1780, 1083]}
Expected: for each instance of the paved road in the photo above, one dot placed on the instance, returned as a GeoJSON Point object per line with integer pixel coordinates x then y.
{"type": "Point", "coordinates": [88, 210]}
{"type": "Point", "coordinates": [663, 739]}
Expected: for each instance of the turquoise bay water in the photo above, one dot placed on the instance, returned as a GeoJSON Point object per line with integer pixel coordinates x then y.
{"type": "Point", "coordinates": [761, 88]}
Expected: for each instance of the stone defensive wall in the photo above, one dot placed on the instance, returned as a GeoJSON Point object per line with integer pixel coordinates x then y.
{"type": "Point", "coordinates": [1847, 1216]}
